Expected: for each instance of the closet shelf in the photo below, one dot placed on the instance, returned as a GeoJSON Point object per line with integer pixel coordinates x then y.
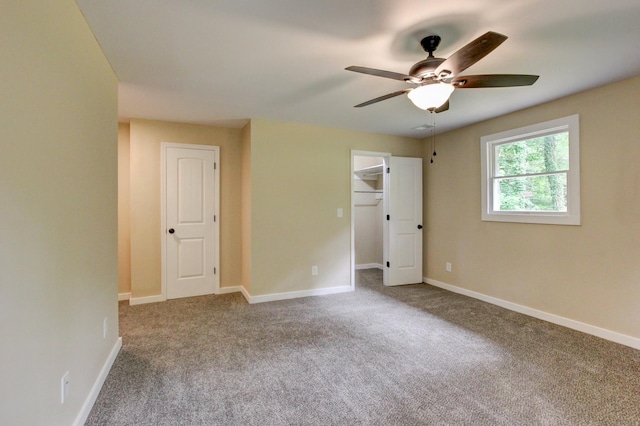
{"type": "Point", "coordinates": [370, 172]}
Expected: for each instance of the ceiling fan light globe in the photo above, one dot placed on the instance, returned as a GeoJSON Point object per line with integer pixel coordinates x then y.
{"type": "Point", "coordinates": [430, 96]}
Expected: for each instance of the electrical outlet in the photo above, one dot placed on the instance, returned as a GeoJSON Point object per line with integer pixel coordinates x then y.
{"type": "Point", "coordinates": [448, 267]}
{"type": "Point", "coordinates": [105, 327]}
{"type": "Point", "coordinates": [340, 212]}
{"type": "Point", "coordinates": [314, 270]}
{"type": "Point", "coordinates": [64, 387]}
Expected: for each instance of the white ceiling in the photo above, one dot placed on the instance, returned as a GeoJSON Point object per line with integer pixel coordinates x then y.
{"type": "Point", "coordinates": [222, 62]}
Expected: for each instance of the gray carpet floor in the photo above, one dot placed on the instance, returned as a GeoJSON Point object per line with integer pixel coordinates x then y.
{"type": "Point", "coordinates": [409, 355]}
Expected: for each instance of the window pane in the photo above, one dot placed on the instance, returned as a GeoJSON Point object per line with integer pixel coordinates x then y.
{"type": "Point", "coordinates": [533, 193]}
{"type": "Point", "coordinates": [538, 155]}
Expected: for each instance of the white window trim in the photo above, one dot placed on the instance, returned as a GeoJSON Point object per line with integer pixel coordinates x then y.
{"type": "Point", "coordinates": [572, 215]}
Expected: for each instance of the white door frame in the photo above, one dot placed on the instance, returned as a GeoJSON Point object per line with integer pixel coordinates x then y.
{"type": "Point", "coordinates": [385, 196]}
{"type": "Point", "coordinates": [163, 210]}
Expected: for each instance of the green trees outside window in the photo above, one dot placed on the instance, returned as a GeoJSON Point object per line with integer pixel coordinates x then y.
{"type": "Point", "coordinates": [531, 174]}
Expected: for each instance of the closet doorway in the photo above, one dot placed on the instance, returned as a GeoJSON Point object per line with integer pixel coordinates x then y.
{"type": "Point", "coordinates": [369, 199]}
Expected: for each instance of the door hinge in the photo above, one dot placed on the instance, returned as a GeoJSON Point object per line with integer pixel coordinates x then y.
{"type": "Point", "coordinates": [214, 217]}
{"type": "Point", "coordinates": [388, 265]}
{"type": "Point", "coordinates": [388, 217]}
{"type": "Point", "coordinates": [388, 169]}
{"type": "Point", "coordinates": [214, 270]}
{"type": "Point", "coordinates": [215, 166]}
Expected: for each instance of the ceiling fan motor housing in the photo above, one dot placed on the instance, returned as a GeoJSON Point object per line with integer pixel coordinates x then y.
{"type": "Point", "coordinates": [426, 67]}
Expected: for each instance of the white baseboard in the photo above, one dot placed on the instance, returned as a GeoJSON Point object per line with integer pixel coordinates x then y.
{"type": "Point", "coordinates": [160, 298]}
{"type": "Point", "coordinates": [230, 289]}
{"type": "Point", "coordinates": [123, 296]}
{"type": "Point", "coordinates": [147, 299]}
{"type": "Point", "coordinates": [246, 294]}
{"type": "Point", "coordinates": [82, 416]}
{"type": "Point", "coordinates": [369, 266]}
{"type": "Point", "coordinates": [295, 294]}
{"type": "Point", "coordinates": [613, 336]}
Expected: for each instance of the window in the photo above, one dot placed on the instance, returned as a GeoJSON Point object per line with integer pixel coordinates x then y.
{"type": "Point", "coordinates": [532, 174]}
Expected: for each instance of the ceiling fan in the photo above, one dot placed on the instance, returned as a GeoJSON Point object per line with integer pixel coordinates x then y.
{"type": "Point", "coordinates": [436, 78]}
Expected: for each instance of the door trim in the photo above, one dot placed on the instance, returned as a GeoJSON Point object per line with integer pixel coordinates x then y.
{"type": "Point", "coordinates": [385, 196]}
{"type": "Point", "coordinates": [163, 211]}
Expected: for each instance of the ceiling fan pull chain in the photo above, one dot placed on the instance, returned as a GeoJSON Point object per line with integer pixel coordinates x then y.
{"type": "Point", "coordinates": [433, 135]}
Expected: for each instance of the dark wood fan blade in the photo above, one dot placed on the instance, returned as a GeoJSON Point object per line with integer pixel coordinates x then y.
{"type": "Point", "coordinates": [469, 54]}
{"type": "Point", "coordinates": [383, 98]}
{"type": "Point", "coordinates": [383, 73]}
{"type": "Point", "coordinates": [493, 80]}
{"type": "Point", "coordinates": [442, 108]}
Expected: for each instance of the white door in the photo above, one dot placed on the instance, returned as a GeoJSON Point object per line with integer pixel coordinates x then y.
{"type": "Point", "coordinates": [405, 221]}
{"type": "Point", "coordinates": [191, 222]}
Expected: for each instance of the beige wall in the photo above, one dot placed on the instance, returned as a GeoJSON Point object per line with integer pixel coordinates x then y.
{"type": "Point", "coordinates": [146, 137]}
{"type": "Point", "coordinates": [300, 176]}
{"type": "Point", "coordinates": [587, 273]}
{"type": "Point", "coordinates": [58, 174]}
{"type": "Point", "coordinates": [124, 210]}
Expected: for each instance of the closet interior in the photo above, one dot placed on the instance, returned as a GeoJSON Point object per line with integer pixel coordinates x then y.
{"type": "Point", "coordinates": [368, 196]}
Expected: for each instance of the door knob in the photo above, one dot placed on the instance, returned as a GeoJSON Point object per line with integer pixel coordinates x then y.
{"type": "Point", "coordinates": [419, 227]}
{"type": "Point", "coordinates": [171, 230]}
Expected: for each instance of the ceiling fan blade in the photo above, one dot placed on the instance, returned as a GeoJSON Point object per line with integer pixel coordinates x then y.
{"type": "Point", "coordinates": [442, 108]}
{"type": "Point", "coordinates": [383, 73]}
{"type": "Point", "coordinates": [493, 80]}
{"type": "Point", "coordinates": [469, 54]}
{"type": "Point", "coordinates": [383, 98]}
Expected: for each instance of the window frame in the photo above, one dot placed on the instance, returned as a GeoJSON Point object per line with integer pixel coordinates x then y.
{"type": "Point", "coordinates": [570, 124]}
